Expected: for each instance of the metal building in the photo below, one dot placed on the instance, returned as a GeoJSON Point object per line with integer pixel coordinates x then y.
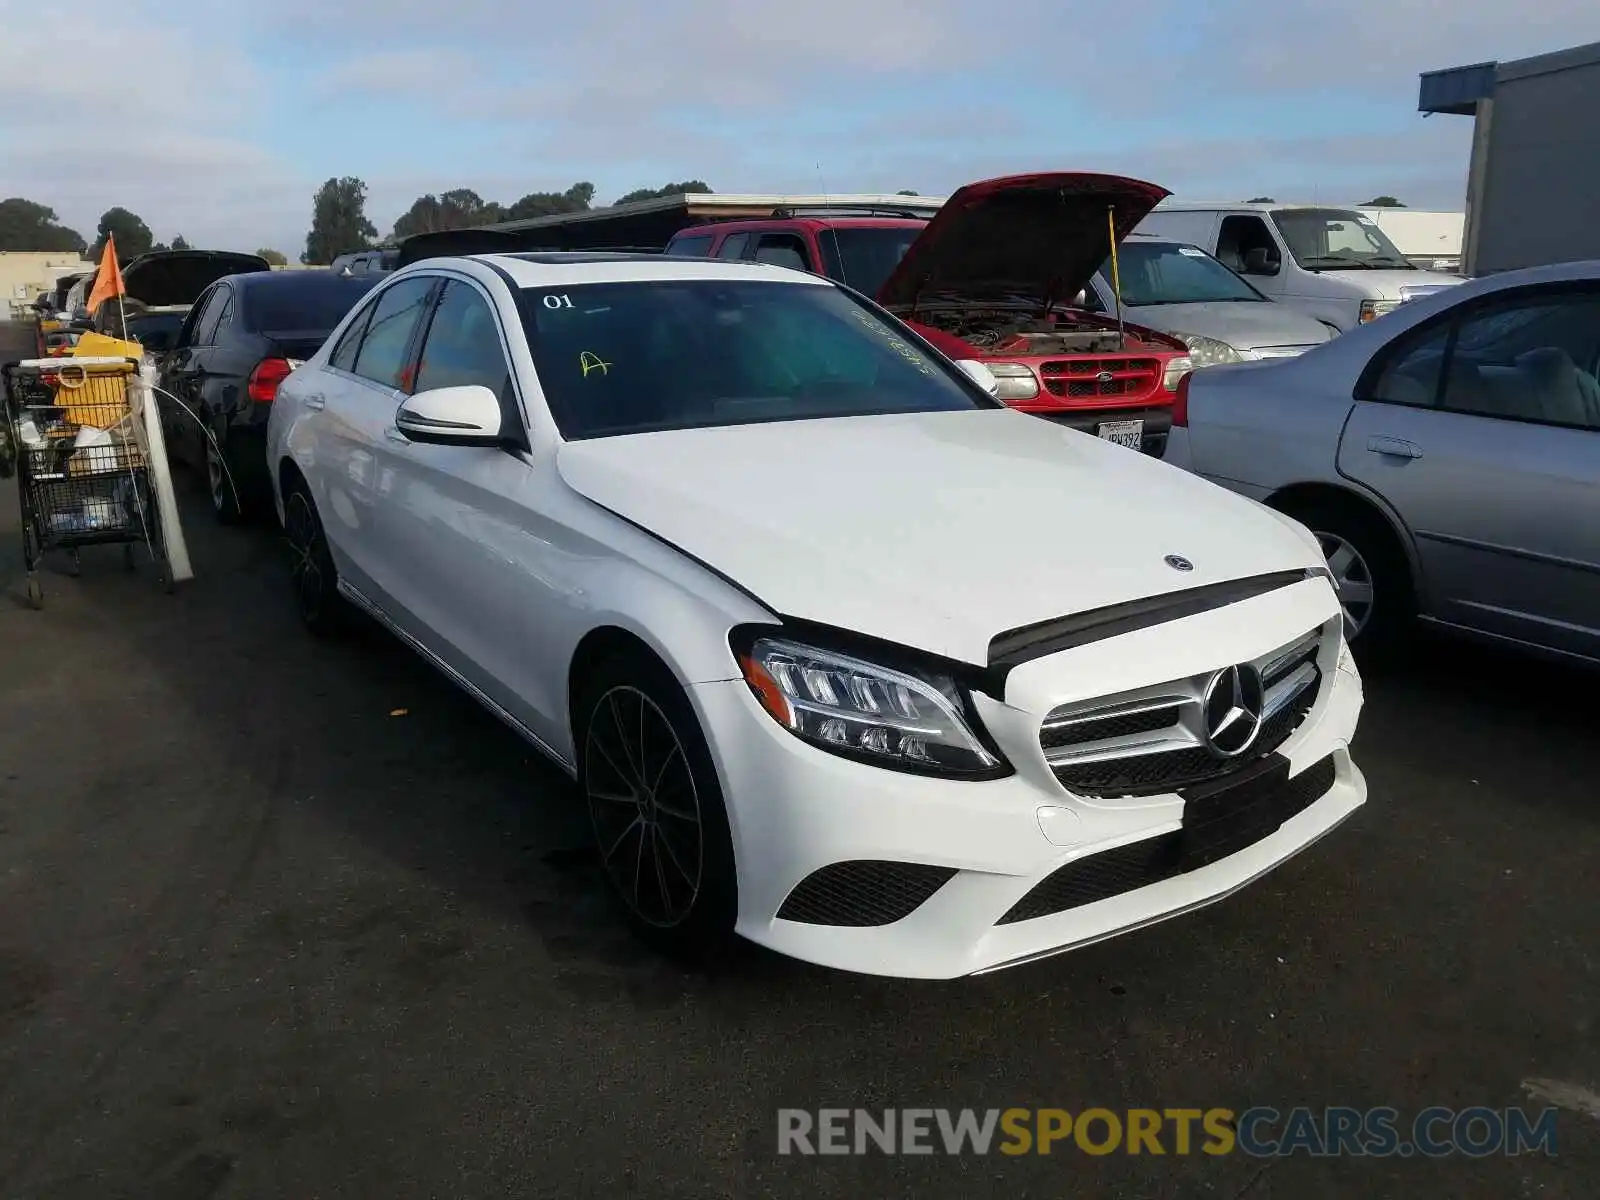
{"type": "Point", "coordinates": [1535, 175]}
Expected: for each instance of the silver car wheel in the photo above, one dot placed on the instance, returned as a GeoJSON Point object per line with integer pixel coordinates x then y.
{"type": "Point", "coordinates": [216, 477]}
{"type": "Point", "coordinates": [1352, 580]}
{"type": "Point", "coordinates": [644, 806]}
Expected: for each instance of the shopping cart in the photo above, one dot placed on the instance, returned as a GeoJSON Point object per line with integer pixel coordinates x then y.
{"type": "Point", "coordinates": [83, 476]}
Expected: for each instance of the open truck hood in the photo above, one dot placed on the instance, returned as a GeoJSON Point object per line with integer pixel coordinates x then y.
{"type": "Point", "coordinates": [452, 243]}
{"type": "Point", "coordinates": [176, 277]}
{"type": "Point", "coordinates": [1039, 236]}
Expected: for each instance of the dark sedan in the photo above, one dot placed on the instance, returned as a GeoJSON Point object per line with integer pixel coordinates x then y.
{"type": "Point", "coordinates": [239, 342]}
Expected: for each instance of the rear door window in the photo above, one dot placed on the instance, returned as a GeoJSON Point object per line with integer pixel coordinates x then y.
{"type": "Point", "coordinates": [733, 245]}
{"type": "Point", "coordinates": [783, 250]}
{"type": "Point", "coordinates": [384, 356]}
{"type": "Point", "coordinates": [695, 247]}
{"type": "Point", "coordinates": [205, 322]}
{"type": "Point", "coordinates": [224, 318]}
{"type": "Point", "coordinates": [344, 354]}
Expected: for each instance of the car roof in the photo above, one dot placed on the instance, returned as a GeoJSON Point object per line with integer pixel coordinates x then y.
{"type": "Point", "coordinates": [290, 280]}
{"type": "Point", "coordinates": [746, 224]}
{"type": "Point", "coordinates": [1247, 206]}
{"type": "Point", "coordinates": [546, 269]}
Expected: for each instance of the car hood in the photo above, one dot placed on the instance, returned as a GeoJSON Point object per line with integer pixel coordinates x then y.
{"type": "Point", "coordinates": [1396, 285]}
{"type": "Point", "coordinates": [1242, 324]}
{"type": "Point", "coordinates": [1039, 236]}
{"type": "Point", "coordinates": [165, 277]}
{"type": "Point", "coordinates": [932, 530]}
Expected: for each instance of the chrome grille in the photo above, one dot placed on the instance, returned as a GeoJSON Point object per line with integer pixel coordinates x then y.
{"type": "Point", "coordinates": [1081, 378]}
{"type": "Point", "coordinates": [1152, 741]}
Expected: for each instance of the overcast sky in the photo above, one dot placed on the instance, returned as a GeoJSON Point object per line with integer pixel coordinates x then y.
{"type": "Point", "coordinates": [220, 118]}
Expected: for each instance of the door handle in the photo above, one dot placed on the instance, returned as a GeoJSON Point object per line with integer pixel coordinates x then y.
{"type": "Point", "coordinates": [394, 435]}
{"type": "Point", "coordinates": [1393, 447]}
{"type": "Point", "coordinates": [315, 401]}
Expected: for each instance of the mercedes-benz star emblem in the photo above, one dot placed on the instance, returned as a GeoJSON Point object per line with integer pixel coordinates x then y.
{"type": "Point", "coordinates": [1231, 709]}
{"type": "Point", "coordinates": [1178, 562]}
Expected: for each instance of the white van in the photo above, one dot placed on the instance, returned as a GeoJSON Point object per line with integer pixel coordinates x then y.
{"type": "Point", "coordinates": [1333, 263]}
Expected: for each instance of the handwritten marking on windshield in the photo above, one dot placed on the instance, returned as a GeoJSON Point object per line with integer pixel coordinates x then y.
{"type": "Point", "coordinates": [593, 362]}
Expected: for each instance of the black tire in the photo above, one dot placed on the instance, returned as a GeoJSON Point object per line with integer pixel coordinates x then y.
{"type": "Point", "coordinates": [312, 574]}
{"type": "Point", "coordinates": [1384, 629]}
{"type": "Point", "coordinates": [674, 879]}
{"type": "Point", "coordinates": [220, 479]}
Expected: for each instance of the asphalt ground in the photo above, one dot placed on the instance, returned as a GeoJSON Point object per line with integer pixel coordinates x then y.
{"type": "Point", "coordinates": [287, 919]}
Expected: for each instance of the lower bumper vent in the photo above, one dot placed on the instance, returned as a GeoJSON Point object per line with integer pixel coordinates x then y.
{"type": "Point", "coordinates": [863, 893]}
{"type": "Point", "coordinates": [1215, 824]}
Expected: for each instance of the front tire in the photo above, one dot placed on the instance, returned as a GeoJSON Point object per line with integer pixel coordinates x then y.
{"type": "Point", "coordinates": [656, 808]}
{"type": "Point", "coordinates": [323, 611]}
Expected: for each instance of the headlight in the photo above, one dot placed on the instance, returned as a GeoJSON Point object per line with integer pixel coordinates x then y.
{"type": "Point", "coordinates": [1176, 370]}
{"type": "Point", "coordinates": [1371, 310]}
{"type": "Point", "coordinates": [1016, 381]}
{"type": "Point", "coordinates": [1209, 352]}
{"type": "Point", "coordinates": [865, 711]}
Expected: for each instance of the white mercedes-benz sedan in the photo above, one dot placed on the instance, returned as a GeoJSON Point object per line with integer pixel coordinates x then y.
{"type": "Point", "coordinates": [845, 656]}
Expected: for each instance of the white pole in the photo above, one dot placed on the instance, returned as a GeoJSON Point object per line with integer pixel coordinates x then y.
{"type": "Point", "coordinates": [155, 449]}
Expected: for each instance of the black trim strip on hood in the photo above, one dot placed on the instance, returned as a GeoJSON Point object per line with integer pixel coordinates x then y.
{"type": "Point", "coordinates": [1017, 646]}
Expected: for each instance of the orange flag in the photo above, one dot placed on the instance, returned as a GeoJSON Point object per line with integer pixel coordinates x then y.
{"type": "Point", "coordinates": [108, 279]}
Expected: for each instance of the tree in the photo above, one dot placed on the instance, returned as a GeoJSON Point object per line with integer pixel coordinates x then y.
{"type": "Point", "coordinates": [178, 243]}
{"type": "Point", "coordinates": [462, 208]}
{"type": "Point", "coordinates": [690, 187]}
{"type": "Point", "coordinates": [25, 225]}
{"type": "Point", "coordinates": [133, 235]}
{"type": "Point", "coordinates": [275, 257]}
{"type": "Point", "coordinates": [576, 198]}
{"type": "Point", "coordinates": [1261, 200]}
{"type": "Point", "coordinates": [1383, 202]}
{"type": "Point", "coordinates": [907, 192]}
{"type": "Point", "coordinates": [338, 221]}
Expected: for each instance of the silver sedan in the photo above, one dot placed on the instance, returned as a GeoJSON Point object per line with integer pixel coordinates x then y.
{"type": "Point", "coordinates": [1446, 455]}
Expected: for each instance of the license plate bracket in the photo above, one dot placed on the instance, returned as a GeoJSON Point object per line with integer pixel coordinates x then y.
{"type": "Point", "coordinates": [1225, 817]}
{"type": "Point", "coordinates": [1122, 433]}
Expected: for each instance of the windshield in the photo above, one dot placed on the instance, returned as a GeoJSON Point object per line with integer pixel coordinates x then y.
{"type": "Point", "coordinates": [863, 258]}
{"type": "Point", "coordinates": [616, 358]}
{"type": "Point", "coordinates": [1337, 239]}
{"type": "Point", "coordinates": [303, 303]}
{"type": "Point", "coordinates": [1169, 273]}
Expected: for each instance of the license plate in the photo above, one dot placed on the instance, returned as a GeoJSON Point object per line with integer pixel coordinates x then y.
{"type": "Point", "coordinates": [1123, 433]}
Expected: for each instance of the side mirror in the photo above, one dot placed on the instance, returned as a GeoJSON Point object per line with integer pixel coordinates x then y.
{"type": "Point", "coordinates": [981, 375]}
{"type": "Point", "coordinates": [1259, 261]}
{"type": "Point", "coordinates": [452, 416]}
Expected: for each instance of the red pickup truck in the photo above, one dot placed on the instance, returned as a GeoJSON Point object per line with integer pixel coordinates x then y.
{"type": "Point", "coordinates": [995, 276]}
